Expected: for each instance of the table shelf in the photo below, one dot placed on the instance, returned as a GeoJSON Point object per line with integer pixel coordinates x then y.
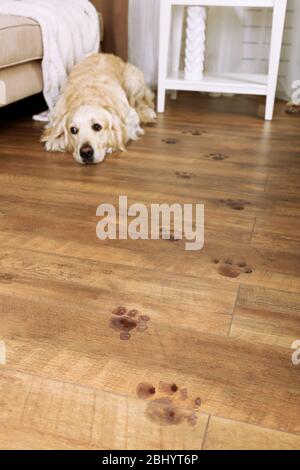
{"type": "Point", "coordinates": [240, 83]}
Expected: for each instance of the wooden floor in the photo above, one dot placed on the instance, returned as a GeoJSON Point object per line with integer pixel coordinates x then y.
{"type": "Point", "coordinates": [209, 361]}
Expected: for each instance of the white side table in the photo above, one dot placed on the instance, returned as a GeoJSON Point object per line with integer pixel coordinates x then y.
{"type": "Point", "coordinates": [171, 26]}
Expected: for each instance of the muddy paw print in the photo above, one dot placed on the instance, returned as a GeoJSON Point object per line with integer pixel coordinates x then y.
{"type": "Point", "coordinates": [168, 389]}
{"type": "Point", "coordinates": [6, 278]}
{"type": "Point", "coordinates": [194, 133]}
{"type": "Point", "coordinates": [170, 141]}
{"type": "Point", "coordinates": [173, 237]}
{"type": "Point", "coordinates": [184, 394]}
{"type": "Point", "coordinates": [164, 409]}
{"type": "Point", "coordinates": [126, 321]}
{"type": "Point", "coordinates": [228, 268]}
{"type": "Point", "coordinates": [184, 175]}
{"type": "Point", "coordinates": [217, 157]}
{"type": "Point", "coordinates": [145, 391]}
{"type": "Point", "coordinates": [235, 204]}
{"type": "Point", "coordinates": [292, 108]}
{"type": "Point", "coordinates": [192, 419]}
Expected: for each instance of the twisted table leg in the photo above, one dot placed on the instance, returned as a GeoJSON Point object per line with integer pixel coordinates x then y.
{"type": "Point", "coordinates": [195, 43]}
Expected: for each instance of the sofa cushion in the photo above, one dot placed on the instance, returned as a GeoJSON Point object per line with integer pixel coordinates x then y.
{"type": "Point", "coordinates": [21, 40]}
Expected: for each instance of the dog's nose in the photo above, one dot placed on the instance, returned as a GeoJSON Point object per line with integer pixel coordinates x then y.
{"type": "Point", "coordinates": [87, 154]}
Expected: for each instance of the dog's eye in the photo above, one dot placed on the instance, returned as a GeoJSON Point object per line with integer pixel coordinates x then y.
{"type": "Point", "coordinates": [74, 130]}
{"type": "Point", "coordinates": [97, 127]}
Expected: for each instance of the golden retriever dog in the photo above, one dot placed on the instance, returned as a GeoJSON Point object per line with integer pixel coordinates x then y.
{"type": "Point", "coordinates": [102, 106]}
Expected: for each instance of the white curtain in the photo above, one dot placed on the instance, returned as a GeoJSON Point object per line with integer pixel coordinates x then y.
{"type": "Point", "coordinates": [237, 41]}
{"type": "Point", "coordinates": [144, 37]}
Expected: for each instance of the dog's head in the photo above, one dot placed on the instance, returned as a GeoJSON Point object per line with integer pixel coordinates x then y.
{"type": "Point", "coordinates": [92, 133]}
{"type": "Point", "coordinates": [89, 132]}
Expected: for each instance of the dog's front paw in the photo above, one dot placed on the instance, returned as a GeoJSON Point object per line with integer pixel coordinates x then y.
{"type": "Point", "coordinates": [139, 132]}
{"type": "Point", "coordinates": [147, 115]}
{"type": "Point", "coordinates": [135, 133]}
{"type": "Point", "coordinates": [55, 145]}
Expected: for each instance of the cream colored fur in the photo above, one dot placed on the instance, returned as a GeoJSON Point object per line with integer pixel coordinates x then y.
{"type": "Point", "coordinates": [101, 90]}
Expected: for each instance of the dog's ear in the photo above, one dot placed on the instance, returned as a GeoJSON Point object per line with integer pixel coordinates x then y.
{"type": "Point", "coordinates": [55, 135]}
{"type": "Point", "coordinates": [117, 134]}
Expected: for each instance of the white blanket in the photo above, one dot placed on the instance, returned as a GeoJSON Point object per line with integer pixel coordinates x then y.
{"type": "Point", "coordinates": [70, 31]}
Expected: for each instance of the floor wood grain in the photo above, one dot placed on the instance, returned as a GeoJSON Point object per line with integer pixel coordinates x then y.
{"type": "Point", "coordinates": [212, 331]}
{"type": "Point", "coordinates": [231, 435]}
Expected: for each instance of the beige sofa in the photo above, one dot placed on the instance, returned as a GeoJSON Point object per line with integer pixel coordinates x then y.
{"type": "Point", "coordinates": [20, 58]}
